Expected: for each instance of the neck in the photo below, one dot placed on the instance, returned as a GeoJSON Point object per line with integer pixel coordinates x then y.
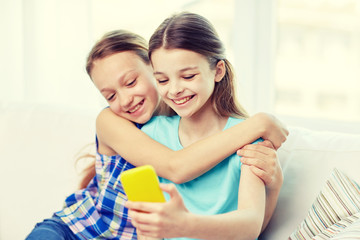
{"type": "Point", "coordinates": [199, 126]}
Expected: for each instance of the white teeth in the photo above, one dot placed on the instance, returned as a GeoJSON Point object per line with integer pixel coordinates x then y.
{"type": "Point", "coordinates": [181, 101]}
{"type": "Point", "coordinates": [135, 108]}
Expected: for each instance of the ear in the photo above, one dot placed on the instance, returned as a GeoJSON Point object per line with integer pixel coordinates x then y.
{"type": "Point", "coordinates": [220, 71]}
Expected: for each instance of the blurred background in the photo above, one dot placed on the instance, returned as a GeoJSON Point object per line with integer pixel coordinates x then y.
{"type": "Point", "coordinates": [298, 59]}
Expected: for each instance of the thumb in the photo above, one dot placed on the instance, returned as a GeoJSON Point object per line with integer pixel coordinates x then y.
{"type": "Point", "coordinates": [267, 143]}
{"type": "Point", "coordinates": [171, 190]}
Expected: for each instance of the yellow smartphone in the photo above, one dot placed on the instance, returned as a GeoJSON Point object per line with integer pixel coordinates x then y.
{"type": "Point", "coordinates": [141, 184]}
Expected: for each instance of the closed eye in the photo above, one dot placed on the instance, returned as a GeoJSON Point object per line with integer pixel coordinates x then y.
{"type": "Point", "coordinates": [189, 77]}
{"type": "Point", "coordinates": [162, 81]}
{"type": "Point", "coordinates": [111, 97]}
{"type": "Point", "coordinates": [131, 83]}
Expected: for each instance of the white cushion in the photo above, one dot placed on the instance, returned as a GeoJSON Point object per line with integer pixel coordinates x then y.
{"type": "Point", "coordinates": [39, 146]}
{"type": "Point", "coordinates": [308, 157]}
{"type": "Point", "coordinates": [333, 210]}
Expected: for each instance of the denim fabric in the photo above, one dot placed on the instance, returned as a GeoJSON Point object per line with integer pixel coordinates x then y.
{"type": "Point", "coordinates": [51, 229]}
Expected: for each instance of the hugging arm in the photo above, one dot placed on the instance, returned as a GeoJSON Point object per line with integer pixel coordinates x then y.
{"type": "Point", "coordinates": [118, 135]}
{"type": "Point", "coordinates": [172, 219]}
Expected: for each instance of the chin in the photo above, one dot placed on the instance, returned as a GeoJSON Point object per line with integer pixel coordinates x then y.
{"type": "Point", "coordinates": [184, 114]}
{"type": "Point", "coordinates": [143, 119]}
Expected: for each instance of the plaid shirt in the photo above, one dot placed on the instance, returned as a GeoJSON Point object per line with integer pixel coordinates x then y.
{"type": "Point", "coordinates": [98, 212]}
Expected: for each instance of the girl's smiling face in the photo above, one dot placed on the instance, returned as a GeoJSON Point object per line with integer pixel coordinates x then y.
{"type": "Point", "coordinates": [184, 79]}
{"type": "Point", "coordinates": [128, 85]}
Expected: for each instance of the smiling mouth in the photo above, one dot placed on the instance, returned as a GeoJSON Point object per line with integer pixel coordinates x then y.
{"type": "Point", "coordinates": [134, 109]}
{"type": "Point", "coordinates": [182, 100]}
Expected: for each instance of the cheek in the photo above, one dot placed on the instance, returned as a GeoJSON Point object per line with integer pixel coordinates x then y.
{"type": "Point", "coordinates": [153, 95]}
{"type": "Point", "coordinates": [148, 89]}
{"type": "Point", "coordinates": [149, 92]}
{"type": "Point", "coordinates": [161, 90]}
{"type": "Point", "coordinates": [162, 93]}
{"type": "Point", "coordinates": [115, 108]}
{"type": "Point", "coordinates": [210, 87]}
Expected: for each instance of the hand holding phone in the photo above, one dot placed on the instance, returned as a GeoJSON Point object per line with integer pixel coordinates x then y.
{"type": "Point", "coordinates": [141, 184]}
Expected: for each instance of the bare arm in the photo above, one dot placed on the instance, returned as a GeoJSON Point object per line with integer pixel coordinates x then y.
{"type": "Point", "coordinates": [264, 163]}
{"type": "Point", "coordinates": [171, 219]}
{"type": "Point", "coordinates": [244, 223]}
{"type": "Point", "coordinates": [118, 135]}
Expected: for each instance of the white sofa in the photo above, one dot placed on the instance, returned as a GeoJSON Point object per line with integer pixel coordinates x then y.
{"type": "Point", "coordinates": [39, 146]}
{"type": "Point", "coordinates": [308, 158]}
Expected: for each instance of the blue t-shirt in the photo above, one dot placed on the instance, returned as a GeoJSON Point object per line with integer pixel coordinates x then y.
{"type": "Point", "coordinates": [214, 192]}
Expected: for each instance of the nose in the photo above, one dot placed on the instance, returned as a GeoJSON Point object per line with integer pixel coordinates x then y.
{"type": "Point", "coordinates": [175, 88]}
{"type": "Point", "coordinates": [125, 100]}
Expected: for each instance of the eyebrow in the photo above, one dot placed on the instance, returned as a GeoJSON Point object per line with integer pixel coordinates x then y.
{"type": "Point", "coordinates": [105, 89]}
{"type": "Point", "coordinates": [181, 70]}
{"type": "Point", "coordinates": [121, 78]}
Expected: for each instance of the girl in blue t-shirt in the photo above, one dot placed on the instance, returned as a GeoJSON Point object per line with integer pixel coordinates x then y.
{"type": "Point", "coordinates": [120, 68]}
{"type": "Point", "coordinates": [196, 81]}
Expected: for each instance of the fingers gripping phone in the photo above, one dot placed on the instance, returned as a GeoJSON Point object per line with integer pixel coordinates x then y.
{"type": "Point", "coordinates": [141, 184]}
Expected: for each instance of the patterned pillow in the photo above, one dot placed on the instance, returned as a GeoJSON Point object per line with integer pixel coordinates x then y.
{"type": "Point", "coordinates": [347, 228]}
{"type": "Point", "coordinates": [336, 208]}
{"type": "Point", "coordinates": [351, 232]}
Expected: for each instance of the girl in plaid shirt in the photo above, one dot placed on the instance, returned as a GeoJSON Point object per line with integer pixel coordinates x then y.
{"type": "Point", "coordinates": [120, 68]}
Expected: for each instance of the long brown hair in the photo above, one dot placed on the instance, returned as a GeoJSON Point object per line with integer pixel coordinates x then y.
{"type": "Point", "coordinates": [195, 33]}
{"type": "Point", "coordinates": [111, 43]}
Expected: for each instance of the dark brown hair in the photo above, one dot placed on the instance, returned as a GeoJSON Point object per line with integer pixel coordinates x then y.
{"type": "Point", "coordinates": [195, 33]}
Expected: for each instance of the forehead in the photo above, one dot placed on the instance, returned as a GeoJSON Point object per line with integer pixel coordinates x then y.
{"type": "Point", "coordinates": [119, 60]}
{"type": "Point", "coordinates": [116, 64]}
{"type": "Point", "coordinates": [108, 70]}
{"type": "Point", "coordinates": [175, 59]}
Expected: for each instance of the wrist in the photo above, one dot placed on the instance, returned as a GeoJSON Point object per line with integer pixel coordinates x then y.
{"type": "Point", "coordinates": [189, 224]}
{"type": "Point", "coordinates": [261, 123]}
{"type": "Point", "coordinates": [274, 189]}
